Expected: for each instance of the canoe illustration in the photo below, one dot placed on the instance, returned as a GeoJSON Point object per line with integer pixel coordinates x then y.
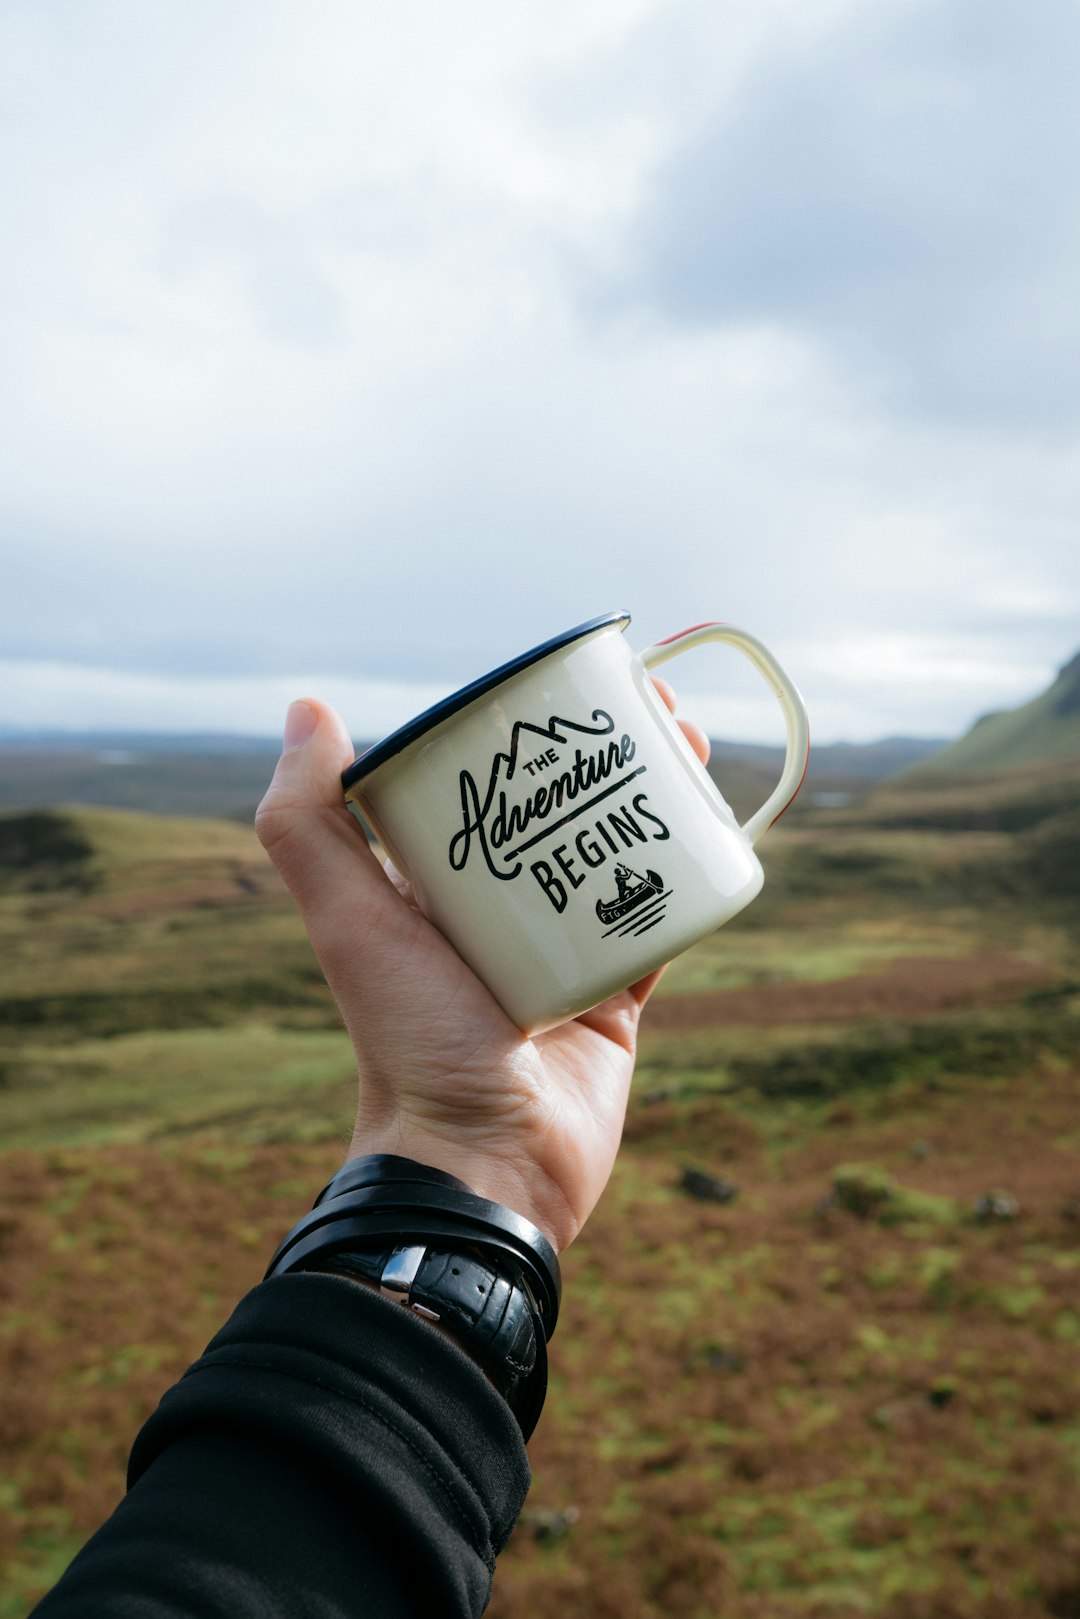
{"type": "Point", "coordinates": [634, 890]}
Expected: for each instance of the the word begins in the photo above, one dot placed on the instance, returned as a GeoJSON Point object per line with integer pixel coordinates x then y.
{"type": "Point", "coordinates": [589, 845]}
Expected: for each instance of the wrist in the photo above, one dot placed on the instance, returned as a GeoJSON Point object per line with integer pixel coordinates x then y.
{"type": "Point", "coordinates": [528, 1192]}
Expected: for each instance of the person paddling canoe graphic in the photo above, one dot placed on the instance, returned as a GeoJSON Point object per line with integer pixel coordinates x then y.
{"type": "Point", "coordinates": [634, 890]}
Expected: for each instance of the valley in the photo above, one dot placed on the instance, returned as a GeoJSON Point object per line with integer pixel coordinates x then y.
{"type": "Point", "coordinates": [847, 1384]}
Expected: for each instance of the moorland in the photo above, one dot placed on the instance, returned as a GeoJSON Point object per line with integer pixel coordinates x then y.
{"type": "Point", "coordinates": [821, 1345]}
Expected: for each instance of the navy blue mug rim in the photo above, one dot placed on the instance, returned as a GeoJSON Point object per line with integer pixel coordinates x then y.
{"type": "Point", "coordinates": [413, 729]}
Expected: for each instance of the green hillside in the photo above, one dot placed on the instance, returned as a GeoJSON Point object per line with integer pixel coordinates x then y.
{"type": "Point", "coordinates": [1044, 730]}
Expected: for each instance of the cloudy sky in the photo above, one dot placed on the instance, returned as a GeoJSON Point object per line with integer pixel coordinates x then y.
{"type": "Point", "coordinates": [353, 348]}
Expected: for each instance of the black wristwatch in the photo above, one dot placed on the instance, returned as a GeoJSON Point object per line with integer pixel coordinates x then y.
{"type": "Point", "coordinates": [422, 1237]}
{"type": "Point", "coordinates": [488, 1312]}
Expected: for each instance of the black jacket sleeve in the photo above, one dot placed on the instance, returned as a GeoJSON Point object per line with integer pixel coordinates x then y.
{"type": "Point", "coordinates": [328, 1456]}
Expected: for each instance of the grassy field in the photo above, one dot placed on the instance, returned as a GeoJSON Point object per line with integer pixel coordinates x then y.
{"type": "Point", "coordinates": [853, 1388]}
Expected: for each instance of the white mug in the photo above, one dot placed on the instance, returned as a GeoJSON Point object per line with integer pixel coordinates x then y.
{"type": "Point", "coordinates": [558, 828]}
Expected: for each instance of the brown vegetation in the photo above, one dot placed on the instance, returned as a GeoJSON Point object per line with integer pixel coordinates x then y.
{"type": "Point", "coordinates": [771, 1406]}
{"type": "Point", "coordinates": [851, 1387]}
{"type": "Point", "coordinates": [911, 987]}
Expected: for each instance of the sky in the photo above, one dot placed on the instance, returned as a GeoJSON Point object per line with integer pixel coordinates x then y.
{"type": "Point", "coordinates": [352, 349]}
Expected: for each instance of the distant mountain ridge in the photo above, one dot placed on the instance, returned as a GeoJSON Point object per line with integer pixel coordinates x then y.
{"type": "Point", "coordinates": [225, 776]}
{"type": "Point", "coordinates": [1040, 732]}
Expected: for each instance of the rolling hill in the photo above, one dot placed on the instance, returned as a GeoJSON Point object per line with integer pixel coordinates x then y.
{"type": "Point", "coordinates": [1040, 732]}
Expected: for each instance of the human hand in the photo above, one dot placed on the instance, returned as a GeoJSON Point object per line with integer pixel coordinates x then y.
{"type": "Point", "coordinates": [445, 1078]}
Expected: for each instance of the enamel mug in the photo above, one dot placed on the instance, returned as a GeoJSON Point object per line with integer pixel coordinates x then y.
{"type": "Point", "coordinates": [556, 825]}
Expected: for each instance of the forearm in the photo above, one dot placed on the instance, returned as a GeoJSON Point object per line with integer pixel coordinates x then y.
{"type": "Point", "coordinates": [329, 1455]}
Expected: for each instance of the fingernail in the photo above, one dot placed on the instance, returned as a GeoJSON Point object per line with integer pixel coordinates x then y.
{"type": "Point", "coordinates": [299, 724]}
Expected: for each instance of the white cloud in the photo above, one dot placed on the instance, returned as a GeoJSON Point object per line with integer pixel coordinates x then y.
{"type": "Point", "coordinates": [903, 189]}
{"type": "Point", "coordinates": [300, 374]}
{"type": "Point", "coordinates": [73, 697]}
{"type": "Point", "coordinates": [857, 691]}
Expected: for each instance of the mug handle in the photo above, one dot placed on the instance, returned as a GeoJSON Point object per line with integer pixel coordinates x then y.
{"type": "Point", "coordinates": [798, 726]}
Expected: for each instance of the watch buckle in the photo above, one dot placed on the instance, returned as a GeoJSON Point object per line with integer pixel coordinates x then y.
{"type": "Point", "coordinates": [398, 1275]}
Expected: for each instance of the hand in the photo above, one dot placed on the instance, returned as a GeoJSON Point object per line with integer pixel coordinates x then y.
{"type": "Point", "coordinates": [445, 1077]}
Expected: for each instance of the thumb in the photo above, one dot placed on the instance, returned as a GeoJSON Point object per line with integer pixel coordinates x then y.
{"type": "Point", "coordinates": [302, 822]}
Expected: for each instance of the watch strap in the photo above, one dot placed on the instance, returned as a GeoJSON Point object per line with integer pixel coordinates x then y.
{"type": "Point", "coordinates": [385, 1169]}
{"type": "Point", "coordinates": [424, 1209]}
